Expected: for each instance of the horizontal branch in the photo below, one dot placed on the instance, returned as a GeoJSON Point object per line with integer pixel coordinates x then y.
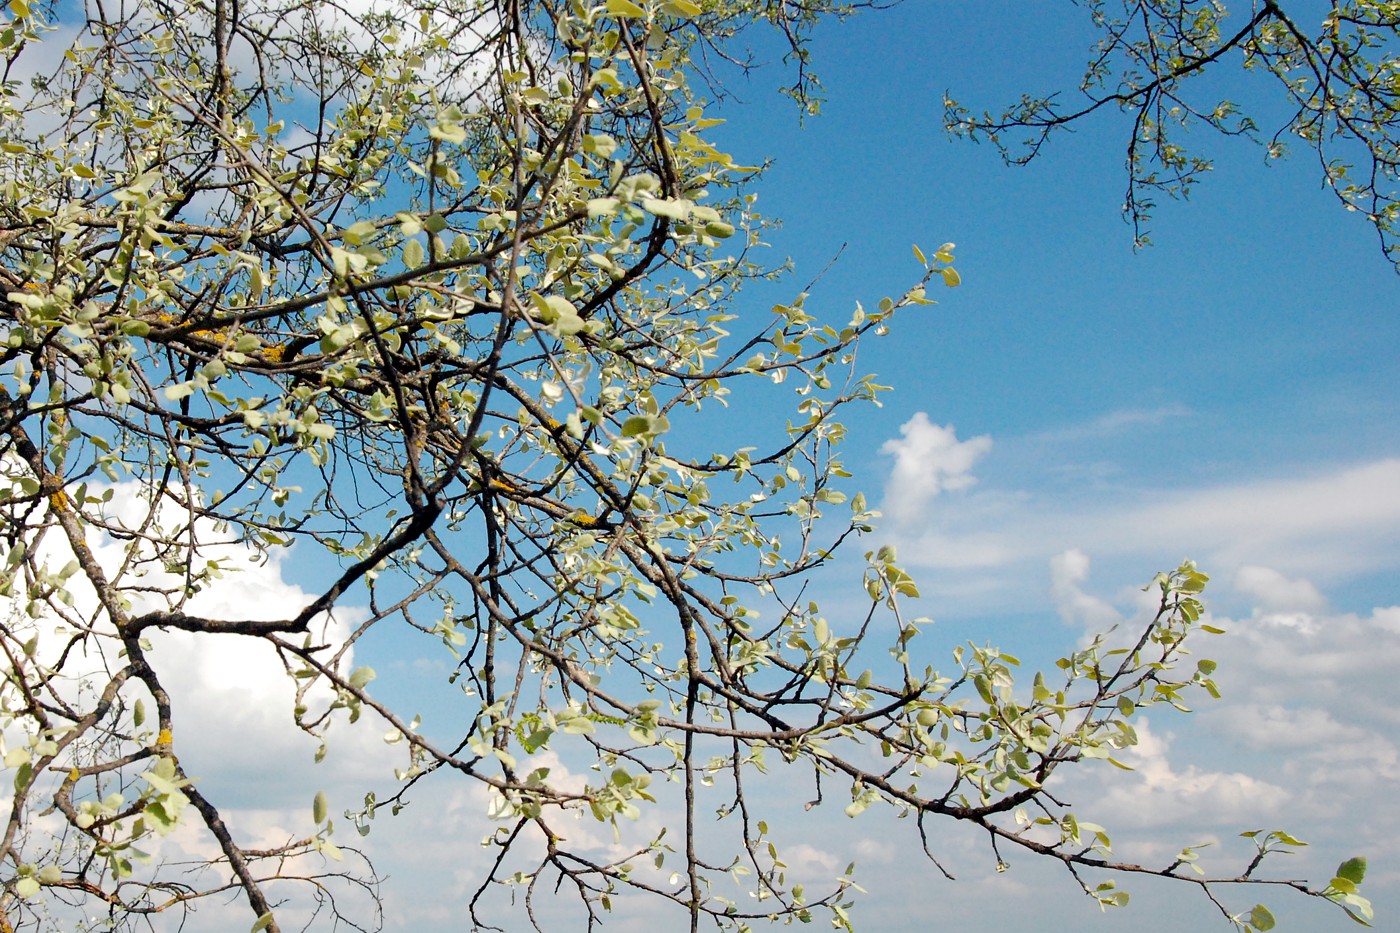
{"type": "Point", "coordinates": [201, 624]}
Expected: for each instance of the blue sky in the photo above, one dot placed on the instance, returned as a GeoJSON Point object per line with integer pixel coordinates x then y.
{"type": "Point", "coordinates": [1255, 342]}
{"type": "Point", "coordinates": [1228, 394]}
{"type": "Point", "coordinates": [1073, 418]}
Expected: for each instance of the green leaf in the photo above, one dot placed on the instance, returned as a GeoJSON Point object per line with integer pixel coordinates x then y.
{"type": "Point", "coordinates": [413, 254]}
{"type": "Point", "coordinates": [262, 923]}
{"type": "Point", "coordinates": [448, 133]}
{"type": "Point", "coordinates": [600, 144]}
{"type": "Point", "coordinates": [1353, 869]}
{"type": "Point", "coordinates": [1358, 909]}
{"type": "Point", "coordinates": [638, 425]}
{"type": "Point", "coordinates": [625, 8]}
{"type": "Point", "coordinates": [673, 208]}
{"type": "Point", "coordinates": [358, 233]}
{"type": "Point", "coordinates": [602, 207]}
{"type": "Point", "coordinates": [1260, 918]}
{"type": "Point", "coordinates": [684, 9]}
{"type": "Point", "coordinates": [558, 313]}
{"type": "Point", "coordinates": [318, 807]}
{"type": "Point", "coordinates": [536, 740]}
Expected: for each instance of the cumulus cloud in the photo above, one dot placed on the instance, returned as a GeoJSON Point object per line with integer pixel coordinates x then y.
{"type": "Point", "coordinates": [1311, 683]}
{"type": "Point", "coordinates": [232, 697]}
{"type": "Point", "coordinates": [1278, 727]}
{"type": "Point", "coordinates": [1292, 743]}
{"type": "Point", "coordinates": [1304, 736]}
{"type": "Point", "coordinates": [233, 702]}
{"type": "Point", "coordinates": [1276, 592]}
{"type": "Point", "coordinates": [878, 851]}
{"type": "Point", "coordinates": [1337, 522]}
{"type": "Point", "coordinates": [1161, 793]}
{"type": "Point", "coordinates": [1306, 696]}
{"type": "Point", "coordinates": [1068, 571]}
{"type": "Point", "coordinates": [929, 459]}
{"type": "Point", "coordinates": [231, 685]}
{"type": "Point", "coordinates": [1332, 526]}
{"type": "Point", "coordinates": [1302, 739]}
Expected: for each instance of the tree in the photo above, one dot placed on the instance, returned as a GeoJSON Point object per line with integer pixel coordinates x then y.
{"type": "Point", "coordinates": [1154, 60]}
{"type": "Point", "coordinates": [448, 296]}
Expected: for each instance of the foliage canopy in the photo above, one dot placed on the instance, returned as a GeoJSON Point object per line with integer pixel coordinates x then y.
{"type": "Point", "coordinates": [438, 293]}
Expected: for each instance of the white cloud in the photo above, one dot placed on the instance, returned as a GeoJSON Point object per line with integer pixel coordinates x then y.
{"type": "Point", "coordinates": [227, 686]}
{"type": "Point", "coordinates": [1343, 521]}
{"type": "Point", "coordinates": [878, 851]}
{"type": "Point", "coordinates": [1276, 592]}
{"type": "Point", "coordinates": [1331, 527]}
{"type": "Point", "coordinates": [1335, 650]}
{"type": "Point", "coordinates": [1307, 697]}
{"type": "Point", "coordinates": [1302, 739]}
{"type": "Point", "coordinates": [1276, 727]}
{"type": "Point", "coordinates": [231, 697]}
{"type": "Point", "coordinates": [1076, 606]}
{"type": "Point", "coordinates": [1387, 619]}
{"type": "Point", "coordinates": [1160, 793]}
{"type": "Point", "coordinates": [809, 862]}
{"type": "Point", "coordinates": [1113, 423]}
{"type": "Point", "coordinates": [928, 460]}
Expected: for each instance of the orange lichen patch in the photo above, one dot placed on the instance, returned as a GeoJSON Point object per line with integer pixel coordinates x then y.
{"type": "Point", "coordinates": [165, 738]}
{"type": "Point", "coordinates": [584, 520]}
{"type": "Point", "coordinates": [59, 501]}
{"type": "Point", "coordinates": [170, 320]}
{"type": "Point", "coordinates": [272, 353]}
